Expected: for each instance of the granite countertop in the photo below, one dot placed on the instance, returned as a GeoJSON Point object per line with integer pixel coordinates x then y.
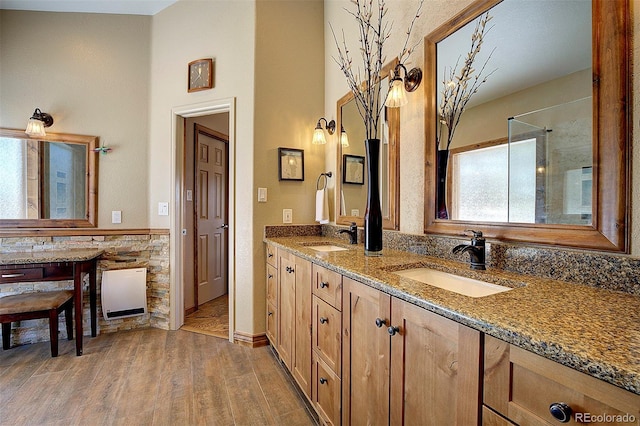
{"type": "Point", "coordinates": [48, 256]}
{"type": "Point", "coordinates": [595, 331]}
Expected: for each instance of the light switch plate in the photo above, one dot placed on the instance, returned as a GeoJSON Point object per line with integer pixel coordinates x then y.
{"type": "Point", "coordinates": [262, 195]}
{"type": "Point", "coordinates": [163, 209]}
{"type": "Point", "coordinates": [116, 216]}
{"type": "Point", "coordinates": [287, 215]}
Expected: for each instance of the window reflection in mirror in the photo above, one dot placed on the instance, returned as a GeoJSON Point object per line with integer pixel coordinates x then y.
{"type": "Point", "coordinates": [47, 182]}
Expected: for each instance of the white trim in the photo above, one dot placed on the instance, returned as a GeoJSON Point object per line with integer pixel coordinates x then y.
{"type": "Point", "coordinates": [176, 285]}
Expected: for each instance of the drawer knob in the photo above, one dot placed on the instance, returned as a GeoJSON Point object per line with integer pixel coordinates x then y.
{"type": "Point", "coordinates": [323, 320]}
{"type": "Point", "coordinates": [270, 276]}
{"type": "Point", "coordinates": [323, 380]}
{"type": "Point", "coordinates": [269, 254]}
{"type": "Point", "coordinates": [560, 411]}
{"type": "Point", "coordinates": [393, 330]}
{"type": "Point", "coordinates": [380, 322]}
{"type": "Point", "coordinates": [323, 284]}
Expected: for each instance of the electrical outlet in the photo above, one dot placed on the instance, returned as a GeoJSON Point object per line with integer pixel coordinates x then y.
{"type": "Point", "coordinates": [287, 216]}
{"type": "Point", "coordinates": [116, 216]}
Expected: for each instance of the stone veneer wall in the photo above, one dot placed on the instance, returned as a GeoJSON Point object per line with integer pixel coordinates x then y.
{"type": "Point", "coordinates": [148, 249]}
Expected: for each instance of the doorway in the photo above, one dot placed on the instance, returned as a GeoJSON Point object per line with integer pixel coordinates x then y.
{"type": "Point", "coordinates": [181, 247]}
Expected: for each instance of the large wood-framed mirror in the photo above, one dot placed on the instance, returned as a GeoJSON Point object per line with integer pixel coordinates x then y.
{"type": "Point", "coordinates": [48, 182]}
{"type": "Point", "coordinates": [596, 215]}
{"type": "Point", "coordinates": [351, 182]}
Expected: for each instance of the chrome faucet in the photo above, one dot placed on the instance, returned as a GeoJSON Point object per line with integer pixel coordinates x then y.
{"type": "Point", "coordinates": [353, 233]}
{"type": "Point", "coordinates": [476, 250]}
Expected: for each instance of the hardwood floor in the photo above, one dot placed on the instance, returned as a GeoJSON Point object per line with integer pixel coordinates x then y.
{"type": "Point", "coordinates": [147, 377]}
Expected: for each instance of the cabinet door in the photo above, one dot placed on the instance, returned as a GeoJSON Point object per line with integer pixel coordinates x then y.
{"type": "Point", "coordinates": [272, 324]}
{"type": "Point", "coordinates": [286, 307]}
{"type": "Point", "coordinates": [301, 370]}
{"type": "Point", "coordinates": [435, 369]}
{"type": "Point", "coordinates": [366, 350]}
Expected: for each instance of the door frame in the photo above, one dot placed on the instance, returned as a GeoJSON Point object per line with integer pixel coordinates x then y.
{"type": "Point", "coordinates": [176, 242]}
{"type": "Point", "coordinates": [222, 138]}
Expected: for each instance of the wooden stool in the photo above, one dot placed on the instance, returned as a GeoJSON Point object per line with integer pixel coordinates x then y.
{"type": "Point", "coordinates": [26, 306]}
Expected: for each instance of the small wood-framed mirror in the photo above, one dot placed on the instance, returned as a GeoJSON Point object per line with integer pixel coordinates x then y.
{"type": "Point", "coordinates": [48, 182]}
{"type": "Point", "coordinates": [351, 196]}
{"type": "Point", "coordinates": [606, 224]}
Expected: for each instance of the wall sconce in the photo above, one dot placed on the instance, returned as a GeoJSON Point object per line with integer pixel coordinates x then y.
{"type": "Point", "coordinates": [38, 121]}
{"type": "Point", "coordinates": [397, 96]}
{"type": "Point", "coordinates": [344, 139]}
{"type": "Point", "coordinates": [318, 134]}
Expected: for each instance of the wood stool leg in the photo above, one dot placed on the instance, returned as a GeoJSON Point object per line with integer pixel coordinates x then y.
{"type": "Point", "coordinates": [68, 316]}
{"type": "Point", "coordinates": [6, 335]}
{"type": "Point", "coordinates": [53, 331]}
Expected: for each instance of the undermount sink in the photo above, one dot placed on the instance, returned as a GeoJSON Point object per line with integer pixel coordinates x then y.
{"type": "Point", "coordinates": [457, 284]}
{"type": "Point", "coordinates": [327, 247]}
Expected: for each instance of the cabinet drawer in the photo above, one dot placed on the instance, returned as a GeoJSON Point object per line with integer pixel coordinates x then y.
{"type": "Point", "coordinates": [272, 255]}
{"type": "Point", "coordinates": [327, 337]}
{"type": "Point", "coordinates": [20, 274]}
{"type": "Point", "coordinates": [326, 393]}
{"type": "Point", "coordinates": [522, 386]}
{"type": "Point", "coordinates": [490, 418]}
{"type": "Point", "coordinates": [272, 325]}
{"type": "Point", "coordinates": [327, 285]}
{"type": "Point", "coordinates": [272, 284]}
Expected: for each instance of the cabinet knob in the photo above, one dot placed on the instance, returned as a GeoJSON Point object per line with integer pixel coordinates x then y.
{"type": "Point", "coordinates": [270, 313]}
{"type": "Point", "coordinates": [269, 254]}
{"type": "Point", "coordinates": [393, 330]}
{"type": "Point", "coordinates": [289, 269]}
{"type": "Point", "coordinates": [323, 380]}
{"type": "Point", "coordinates": [380, 322]}
{"type": "Point", "coordinates": [560, 411]}
{"type": "Point", "coordinates": [270, 276]}
{"type": "Point", "coordinates": [323, 320]}
{"type": "Point", "coordinates": [323, 284]}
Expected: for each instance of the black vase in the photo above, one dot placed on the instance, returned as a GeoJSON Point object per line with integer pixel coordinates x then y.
{"type": "Point", "coordinates": [373, 212]}
{"type": "Point", "coordinates": [442, 161]}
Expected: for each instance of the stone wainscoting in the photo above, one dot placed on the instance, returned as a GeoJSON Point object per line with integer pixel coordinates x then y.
{"type": "Point", "coordinates": [123, 249]}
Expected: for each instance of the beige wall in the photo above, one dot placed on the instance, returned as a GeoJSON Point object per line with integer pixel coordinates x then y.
{"type": "Point", "coordinates": [289, 96]}
{"type": "Point", "coordinates": [91, 73]}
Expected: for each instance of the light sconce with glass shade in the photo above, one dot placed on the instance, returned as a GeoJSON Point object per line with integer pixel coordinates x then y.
{"type": "Point", "coordinates": [412, 79]}
{"type": "Point", "coordinates": [344, 139]}
{"type": "Point", "coordinates": [318, 133]}
{"type": "Point", "coordinates": [38, 121]}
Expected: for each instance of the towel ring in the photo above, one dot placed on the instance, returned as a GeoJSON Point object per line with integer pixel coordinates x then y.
{"type": "Point", "coordinates": [326, 177]}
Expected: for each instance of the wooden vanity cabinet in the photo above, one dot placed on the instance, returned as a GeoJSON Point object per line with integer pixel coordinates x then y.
{"type": "Point", "coordinates": [521, 386]}
{"type": "Point", "coordinates": [405, 365]}
{"type": "Point", "coordinates": [294, 322]}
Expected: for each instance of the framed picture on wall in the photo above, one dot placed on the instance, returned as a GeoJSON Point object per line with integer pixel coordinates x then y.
{"type": "Point", "coordinates": [353, 169]}
{"type": "Point", "coordinates": [290, 164]}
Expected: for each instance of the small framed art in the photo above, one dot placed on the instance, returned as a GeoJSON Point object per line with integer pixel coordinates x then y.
{"type": "Point", "coordinates": [290, 164]}
{"type": "Point", "coordinates": [353, 169]}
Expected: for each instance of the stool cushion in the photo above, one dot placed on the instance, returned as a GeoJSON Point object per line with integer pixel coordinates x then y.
{"type": "Point", "coordinates": [32, 302]}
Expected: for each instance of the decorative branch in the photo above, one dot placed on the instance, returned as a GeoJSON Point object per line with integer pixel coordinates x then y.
{"type": "Point", "coordinates": [458, 89]}
{"type": "Point", "coordinates": [363, 82]}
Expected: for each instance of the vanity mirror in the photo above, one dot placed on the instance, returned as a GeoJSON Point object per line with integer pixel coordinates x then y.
{"type": "Point", "coordinates": [49, 182]}
{"type": "Point", "coordinates": [567, 119]}
{"type": "Point", "coordinates": [351, 196]}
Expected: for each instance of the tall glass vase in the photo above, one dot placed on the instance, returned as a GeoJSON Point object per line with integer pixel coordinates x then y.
{"type": "Point", "coordinates": [442, 161]}
{"type": "Point", "coordinates": [373, 212]}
